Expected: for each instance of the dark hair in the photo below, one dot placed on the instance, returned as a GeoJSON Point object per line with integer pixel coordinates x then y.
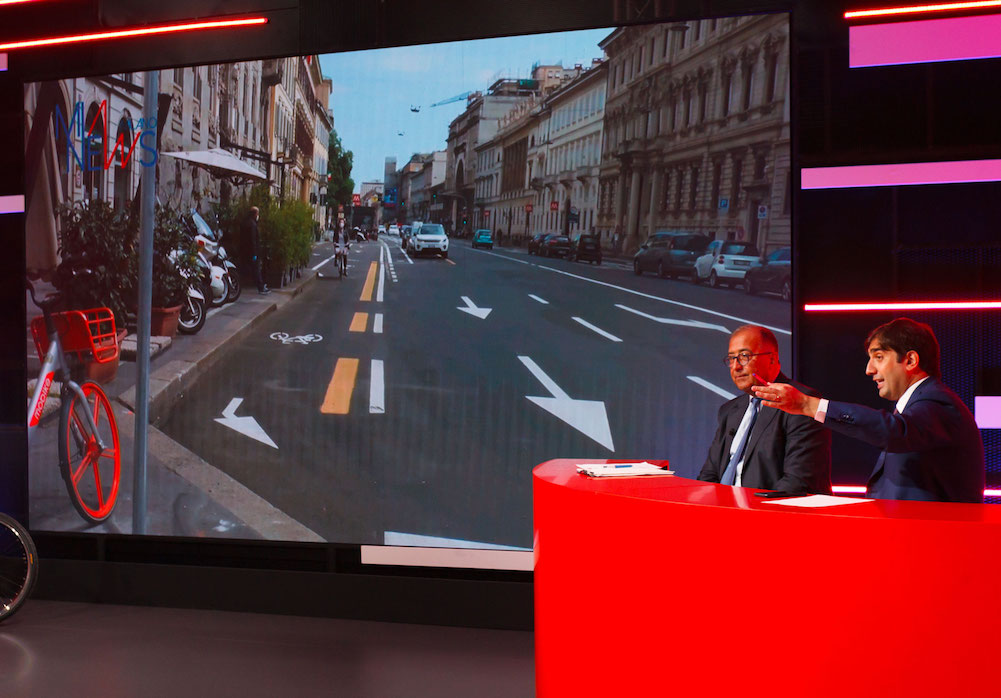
{"type": "Point", "coordinates": [766, 335]}
{"type": "Point", "coordinates": [903, 335]}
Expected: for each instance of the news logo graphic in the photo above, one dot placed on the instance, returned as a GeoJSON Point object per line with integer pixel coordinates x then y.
{"type": "Point", "coordinates": [90, 149]}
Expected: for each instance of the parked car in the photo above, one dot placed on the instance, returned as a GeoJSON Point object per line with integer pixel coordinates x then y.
{"type": "Point", "coordinates": [382, 230]}
{"type": "Point", "coordinates": [555, 246]}
{"type": "Point", "coordinates": [535, 242]}
{"type": "Point", "coordinates": [430, 238]}
{"type": "Point", "coordinates": [586, 248]}
{"type": "Point", "coordinates": [725, 262]}
{"type": "Point", "coordinates": [394, 229]}
{"type": "Point", "coordinates": [773, 275]}
{"type": "Point", "coordinates": [483, 238]}
{"type": "Point", "coordinates": [670, 253]}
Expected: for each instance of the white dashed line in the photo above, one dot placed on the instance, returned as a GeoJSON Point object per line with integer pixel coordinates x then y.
{"type": "Point", "coordinates": [600, 331]}
{"type": "Point", "coordinates": [377, 324]}
{"type": "Point", "coordinates": [709, 386]}
{"type": "Point", "coordinates": [536, 298]}
{"type": "Point", "coordinates": [377, 389]}
{"type": "Point", "coordinates": [324, 262]}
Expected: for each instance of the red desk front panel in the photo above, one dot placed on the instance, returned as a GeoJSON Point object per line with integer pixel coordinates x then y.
{"type": "Point", "coordinates": [668, 586]}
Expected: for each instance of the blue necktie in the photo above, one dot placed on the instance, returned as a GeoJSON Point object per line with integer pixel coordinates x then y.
{"type": "Point", "coordinates": [730, 474]}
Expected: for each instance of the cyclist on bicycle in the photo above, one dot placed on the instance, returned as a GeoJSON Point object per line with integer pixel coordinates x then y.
{"type": "Point", "coordinates": [342, 241]}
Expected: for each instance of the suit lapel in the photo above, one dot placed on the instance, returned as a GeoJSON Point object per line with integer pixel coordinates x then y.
{"type": "Point", "coordinates": [766, 415]}
{"type": "Point", "coordinates": [732, 422]}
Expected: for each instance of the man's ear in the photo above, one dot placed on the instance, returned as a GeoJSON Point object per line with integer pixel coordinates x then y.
{"type": "Point", "coordinates": [912, 360]}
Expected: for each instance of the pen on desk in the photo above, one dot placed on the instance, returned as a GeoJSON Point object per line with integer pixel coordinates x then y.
{"type": "Point", "coordinates": [627, 465]}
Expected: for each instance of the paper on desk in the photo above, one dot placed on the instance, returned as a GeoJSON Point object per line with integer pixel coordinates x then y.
{"type": "Point", "coordinates": [621, 469]}
{"type": "Point", "coordinates": [816, 501]}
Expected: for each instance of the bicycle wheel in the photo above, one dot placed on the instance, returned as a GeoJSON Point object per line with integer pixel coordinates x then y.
{"type": "Point", "coordinates": [91, 474]}
{"type": "Point", "coordinates": [18, 566]}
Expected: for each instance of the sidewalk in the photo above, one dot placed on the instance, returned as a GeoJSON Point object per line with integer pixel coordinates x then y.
{"type": "Point", "coordinates": [187, 496]}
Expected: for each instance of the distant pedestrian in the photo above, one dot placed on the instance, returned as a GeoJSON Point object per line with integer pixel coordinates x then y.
{"type": "Point", "coordinates": [254, 245]}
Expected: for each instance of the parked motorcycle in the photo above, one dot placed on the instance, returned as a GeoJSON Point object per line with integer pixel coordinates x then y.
{"type": "Point", "coordinates": [193, 310]}
{"type": "Point", "coordinates": [223, 278]}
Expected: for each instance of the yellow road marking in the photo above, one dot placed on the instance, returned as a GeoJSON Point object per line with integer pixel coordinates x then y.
{"type": "Point", "coordinates": [338, 397]}
{"type": "Point", "coordinates": [359, 322]}
{"type": "Point", "coordinates": [366, 292]}
{"type": "Point", "coordinates": [450, 262]}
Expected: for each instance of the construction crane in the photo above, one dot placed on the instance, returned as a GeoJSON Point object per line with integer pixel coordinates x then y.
{"type": "Point", "coordinates": [457, 98]}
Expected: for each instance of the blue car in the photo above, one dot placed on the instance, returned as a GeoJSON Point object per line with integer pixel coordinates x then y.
{"type": "Point", "coordinates": [483, 238]}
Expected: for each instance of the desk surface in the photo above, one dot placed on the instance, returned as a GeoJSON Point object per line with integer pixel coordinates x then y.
{"type": "Point", "coordinates": [713, 591]}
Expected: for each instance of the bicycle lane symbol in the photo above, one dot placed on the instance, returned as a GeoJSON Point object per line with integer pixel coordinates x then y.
{"type": "Point", "coordinates": [286, 338]}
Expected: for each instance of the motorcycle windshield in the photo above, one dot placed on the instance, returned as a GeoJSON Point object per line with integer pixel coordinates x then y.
{"type": "Point", "coordinates": [202, 227]}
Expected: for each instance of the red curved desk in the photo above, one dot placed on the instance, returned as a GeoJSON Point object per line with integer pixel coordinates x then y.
{"type": "Point", "coordinates": [667, 586]}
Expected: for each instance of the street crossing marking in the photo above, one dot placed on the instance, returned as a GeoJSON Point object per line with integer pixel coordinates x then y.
{"type": "Point", "coordinates": [359, 323]}
{"type": "Point", "coordinates": [342, 384]}
{"type": "Point", "coordinates": [366, 291]}
{"type": "Point", "coordinates": [641, 294]}
{"type": "Point", "coordinates": [377, 389]}
{"type": "Point", "coordinates": [377, 325]}
{"type": "Point", "coordinates": [709, 386]}
{"type": "Point", "coordinates": [600, 331]}
{"type": "Point", "coordinates": [536, 298]}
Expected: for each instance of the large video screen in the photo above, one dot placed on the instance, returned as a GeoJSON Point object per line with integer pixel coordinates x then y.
{"type": "Point", "coordinates": [551, 239]}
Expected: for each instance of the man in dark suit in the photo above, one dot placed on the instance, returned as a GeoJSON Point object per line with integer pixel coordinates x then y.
{"type": "Point", "coordinates": [761, 447]}
{"type": "Point", "coordinates": [932, 449]}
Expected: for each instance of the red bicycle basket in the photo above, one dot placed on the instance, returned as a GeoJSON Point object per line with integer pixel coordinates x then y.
{"type": "Point", "coordinates": [82, 332]}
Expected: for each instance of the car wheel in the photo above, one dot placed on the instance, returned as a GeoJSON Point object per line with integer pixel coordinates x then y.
{"type": "Point", "coordinates": [786, 291]}
{"type": "Point", "coordinates": [749, 287]}
{"type": "Point", "coordinates": [636, 268]}
{"type": "Point", "coordinates": [713, 279]}
{"type": "Point", "coordinates": [444, 254]}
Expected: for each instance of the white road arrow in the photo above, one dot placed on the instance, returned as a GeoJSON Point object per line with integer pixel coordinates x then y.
{"type": "Point", "coordinates": [471, 308]}
{"type": "Point", "coordinates": [247, 426]}
{"type": "Point", "coordinates": [586, 416]}
{"type": "Point", "coordinates": [669, 321]}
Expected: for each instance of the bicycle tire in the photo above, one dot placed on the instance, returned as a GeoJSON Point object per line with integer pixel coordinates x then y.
{"type": "Point", "coordinates": [78, 453]}
{"type": "Point", "coordinates": [18, 566]}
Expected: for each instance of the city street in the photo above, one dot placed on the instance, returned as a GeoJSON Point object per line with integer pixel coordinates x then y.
{"type": "Point", "coordinates": [410, 400]}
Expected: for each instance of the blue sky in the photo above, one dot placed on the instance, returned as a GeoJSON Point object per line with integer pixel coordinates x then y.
{"type": "Point", "coordinates": [374, 90]}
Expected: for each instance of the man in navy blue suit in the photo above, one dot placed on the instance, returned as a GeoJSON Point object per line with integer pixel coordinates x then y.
{"type": "Point", "coordinates": [932, 449]}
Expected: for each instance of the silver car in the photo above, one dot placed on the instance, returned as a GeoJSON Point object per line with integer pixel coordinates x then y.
{"type": "Point", "coordinates": [430, 238]}
{"type": "Point", "coordinates": [725, 262]}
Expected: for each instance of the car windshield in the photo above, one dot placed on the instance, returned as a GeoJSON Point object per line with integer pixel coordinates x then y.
{"type": "Point", "coordinates": [483, 233]}
{"type": "Point", "coordinates": [740, 248]}
{"type": "Point", "coordinates": [432, 230]}
{"type": "Point", "coordinates": [559, 238]}
{"type": "Point", "coordinates": [780, 255]}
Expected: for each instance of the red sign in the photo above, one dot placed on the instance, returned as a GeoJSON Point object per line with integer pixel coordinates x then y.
{"type": "Point", "coordinates": [528, 208]}
{"type": "Point", "coordinates": [356, 199]}
{"type": "Point", "coordinates": [554, 205]}
{"type": "Point", "coordinates": [486, 214]}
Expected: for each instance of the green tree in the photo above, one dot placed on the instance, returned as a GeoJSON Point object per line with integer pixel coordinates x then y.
{"type": "Point", "coordinates": [339, 162]}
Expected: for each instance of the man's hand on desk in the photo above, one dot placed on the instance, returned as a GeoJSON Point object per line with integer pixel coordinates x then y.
{"type": "Point", "coordinates": [787, 398]}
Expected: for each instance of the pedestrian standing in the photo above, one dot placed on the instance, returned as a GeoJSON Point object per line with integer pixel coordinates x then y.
{"type": "Point", "coordinates": [254, 244]}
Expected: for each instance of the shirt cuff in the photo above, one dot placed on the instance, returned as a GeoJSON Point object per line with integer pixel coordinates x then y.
{"type": "Point", "coordinates": [822, 410]}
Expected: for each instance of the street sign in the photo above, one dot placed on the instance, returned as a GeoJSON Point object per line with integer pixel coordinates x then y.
{"type": "Point", "coordinates": [528, 208]}
{"type": "Point", "coordinates": [762, 211]}
{"type": "Point", "coordinates": [724, 204]}
{"type": "Point", "coordinates": [554, 205]}
{"type": "Point", "coordinates": [486, 214]}
{"type": "Point", "coordinates": [356, 199]}
{"type": "Point", "coordinates": [340, 208]}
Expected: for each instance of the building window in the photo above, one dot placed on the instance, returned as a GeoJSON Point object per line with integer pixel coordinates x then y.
{"type": "Point", "coordinates": [197, 84]}
{"type": "Point", "coordinates": [693, 191]}
{"type": "Point", "coordinates": [771, 77]}
{"type": "Point", "coordinates": [748, 84]}
{"type": "Point", "coordinates": [727, 92]}
{"type": "Point", "coordinates": [179, 78]}
{"type": "Point", "coordinates": [717, 183]}
{"type": "Point", "coordinates": [738, 166]}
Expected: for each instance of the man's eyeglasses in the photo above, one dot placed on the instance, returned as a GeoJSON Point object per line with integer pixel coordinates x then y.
{"type": "Point", "coordinates": [744, 357]}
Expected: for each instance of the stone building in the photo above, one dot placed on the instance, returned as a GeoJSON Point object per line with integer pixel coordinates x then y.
{"type": "Point", "coordinates": [696, 132]}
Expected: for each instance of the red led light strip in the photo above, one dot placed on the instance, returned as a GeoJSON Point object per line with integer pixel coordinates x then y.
{"type": "Point", "coordinates": [918, 9]}
{"type": "Point", "coordinates": [860, 489]}
{"type": "Point", "coordinates": [162, 29]}
{"type": "Point", "coordinates": [931, 305]}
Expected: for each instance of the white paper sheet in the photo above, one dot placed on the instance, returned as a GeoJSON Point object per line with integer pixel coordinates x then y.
{"type": "Point", "coordinates": [816, 501]}
{"type": "Point", "coordinates": [621, 469]}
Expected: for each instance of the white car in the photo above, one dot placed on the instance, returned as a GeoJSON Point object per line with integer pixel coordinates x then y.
{"type": "Point", "coordinates": [725, 262]}
{"type": "Point", "coordinates": [429, 239]}
{"type": "Point", "coordinates": [382, 230]}
{"type": "Point", "coordinates": [394, 229]}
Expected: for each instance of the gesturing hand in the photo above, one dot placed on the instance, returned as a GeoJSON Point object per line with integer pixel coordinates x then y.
{"type": "Point", "coordinates": [787, 398]}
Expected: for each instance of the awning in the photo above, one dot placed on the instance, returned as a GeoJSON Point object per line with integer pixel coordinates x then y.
{"type": "Point", "coordinates": [220, 163]}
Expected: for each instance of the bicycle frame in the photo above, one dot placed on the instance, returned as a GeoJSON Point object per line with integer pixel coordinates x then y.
{"type": "Point", "coordinates": [55, 364]}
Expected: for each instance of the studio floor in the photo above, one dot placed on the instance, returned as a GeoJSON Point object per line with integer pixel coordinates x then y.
{"type": "Point", "coordinates": [52, 648]}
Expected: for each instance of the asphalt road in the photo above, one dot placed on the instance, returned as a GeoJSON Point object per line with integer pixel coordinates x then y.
{"type": "Point", "coordinates": [409, 415]}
